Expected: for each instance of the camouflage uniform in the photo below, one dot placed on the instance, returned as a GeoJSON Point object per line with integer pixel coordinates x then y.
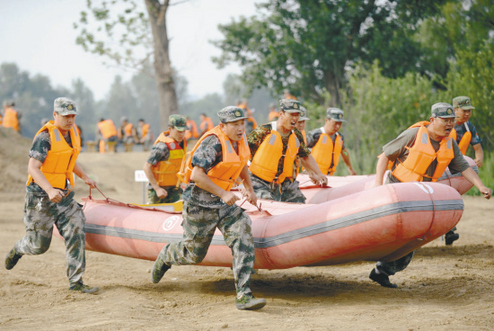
{"type": "Point", "coordinates": [203, 212]}
{"type": "Point", "coordinates": [40, 214]}
{"type": "Point", "coordinates": [288, 190]}
{"type": "Point", "coordinates": [160, 152]}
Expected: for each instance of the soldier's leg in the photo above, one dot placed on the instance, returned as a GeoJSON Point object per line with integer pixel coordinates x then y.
{"type": "Point", "coordinates": [237, 232]}
{"type": "Point", "coordinates": [70, 225]}
{"type": "Point", "coordinates": [290, 192]}
{"type": "Point", "coordinates": [383, 270]}
{"type": "Point", "coordinates": [174, 194]}
{"type": "Point", "coordinates": [199, 224]}
{"type": "Point", "coordinates": [262, 189]}
{"type": "Point", "coordinates": [152, 197]}
{"type": "Point", "coordinates": [39, 216]}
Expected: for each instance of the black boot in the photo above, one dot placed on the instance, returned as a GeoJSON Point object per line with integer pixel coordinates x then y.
{"type": "Point", "coordinates": [450, 237]}
{"type": "Point", "coordinates": [382, 279]}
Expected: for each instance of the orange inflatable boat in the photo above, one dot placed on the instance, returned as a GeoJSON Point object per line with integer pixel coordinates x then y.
{"type": "Point", "coordinates": [344, 185]}
{"type": "Point", "coordinates": [382, 223]}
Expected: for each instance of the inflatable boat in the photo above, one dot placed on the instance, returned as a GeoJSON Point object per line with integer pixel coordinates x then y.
{"type": "Point", "coordinates": [382, 223]}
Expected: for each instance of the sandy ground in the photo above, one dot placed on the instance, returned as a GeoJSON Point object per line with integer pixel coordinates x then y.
{"type": "Point", "coordinates": [444, 288]}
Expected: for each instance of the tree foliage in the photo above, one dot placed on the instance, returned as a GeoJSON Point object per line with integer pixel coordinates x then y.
{"type": "Point", "coordinates": [307, 45]}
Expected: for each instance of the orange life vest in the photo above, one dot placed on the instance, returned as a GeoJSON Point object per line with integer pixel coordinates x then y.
{"type": "Point", "coordinates": [107, 128]}
{"type": "Point", "coordinates": [145, 130]}
{"type": "Point", "coordinates": [465, 140]}
{"type": "Point", "coordinates": [265, 162]}
{"type": "Point", "coordinates": [128, 129]}
{"type": "Point", "coordinates": [206, 125]}
{"type": "Point", "coordinates": [10, 119]}
{"type": "Point", "coordinates": [165, 172]}
{"type": "Point", "coordinates": [253, 121]}
{"type": "Point", "coordinates": [421, 155]}
{"type": "Point", "coordinates": [59, 164]}
{"type": "Point", "coordinates": [324, 151]}
{"type": "Point", "coordinates": [226, 172]}
{"type": "Point", "coordinates": [191, 133]}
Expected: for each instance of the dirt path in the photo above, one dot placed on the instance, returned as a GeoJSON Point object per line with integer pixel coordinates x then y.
{"type": "Point", "coordinates": [444, 288]}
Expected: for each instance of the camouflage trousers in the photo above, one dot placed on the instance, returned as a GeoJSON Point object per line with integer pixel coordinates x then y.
{"type": "Point", "coordinates": [40, 214]}
{"type": "Point", "coordinates": [174, 194]}
{"type": "Point", "coordinates": [199, 224]}
{"type": "Point", "coordinates": [288, 191]}
{"type": "Point", "coordinates": [390, 268]}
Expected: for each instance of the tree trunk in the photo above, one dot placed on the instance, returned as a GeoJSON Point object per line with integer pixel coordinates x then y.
{"type": "Point", "coordinates": [162, 66]}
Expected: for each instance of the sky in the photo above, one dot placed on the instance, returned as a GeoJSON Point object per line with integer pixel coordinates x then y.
{"type": "Point", "coordinates": [38, 36]}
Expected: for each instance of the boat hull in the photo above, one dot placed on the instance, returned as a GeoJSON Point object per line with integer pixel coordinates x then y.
{"type": "Point", "coordinates": [382, 223]}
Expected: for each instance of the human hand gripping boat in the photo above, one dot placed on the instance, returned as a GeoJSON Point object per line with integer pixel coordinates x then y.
{"type": "Point", "coordinates": [374, 224]}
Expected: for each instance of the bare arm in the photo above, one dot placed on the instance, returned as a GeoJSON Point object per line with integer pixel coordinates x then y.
{"type": "Point", "coordinates": [479, 155]}
{"type": "Point", "coordinates": [249, 190]}
{"type": "Point", "coordinates": [202, 180]}
{"type": "Point", "coordinates": [160, 192]}
{"type": "Point", "coordinates": [346, 159]}
{"type": "Point", "coordinates": [82, 175]}
{"type": "Point", "coordinates": [382, 165]}
{"type": "Point", "coordinates": [473, 178]}
{"type": "Point", "coordinates": [313, 170]}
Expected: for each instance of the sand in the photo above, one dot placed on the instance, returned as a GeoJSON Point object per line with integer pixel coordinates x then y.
{"type": "Point", "coordinates": [444, 288]}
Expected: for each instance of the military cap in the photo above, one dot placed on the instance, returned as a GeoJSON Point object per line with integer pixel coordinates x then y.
{"type": "Point", "coordinates": [463, 103]}
{"type": "Point", "coordinates": [335, 114]}
{"type": "Point", "coordinates": [303, 114]}
{"type": "Point", "coordinates": [442, 110]}
{"type": "Point", "coordinates": [290, 106]}
{"type": "Point", "coordinates": [231, 114]}
{"type": "Point", "coordinates": [178, 122]}
{"type": "Point", "coordinates": [65, 106]}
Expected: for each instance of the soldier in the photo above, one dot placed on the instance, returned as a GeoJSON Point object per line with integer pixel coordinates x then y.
{"type": "Point", "coordinates": [191, 132]}
{"type": "Point", "coordinates": [328, 144]}
{"type": "Point", "coordinates": [106, 132]}
{"type": "Point", "coordinates": [217, 160]}
{"type": "Point", "coordinates": [11, 117]}
{"type": "Point", "coordinates": [127, 134]}
{"type": "Point", "coordinates": [50, 197]}
{"type": "Point", "coordinates": [206, 124]}
{"type": "Point", "coordinates": [421, 153]}
{"type": "Point", "coordinates": [144, 134]}
{"type": "Point", "coordinates": [273, 113]}
{"type": "Point", "coordinates": [465, 134]}
{"type": "Point", "coordinates": [274, 148]}
{"type": "Point", "coordinates": [163, 164]}
{"type": "Point", "coordinates": [301, 127]}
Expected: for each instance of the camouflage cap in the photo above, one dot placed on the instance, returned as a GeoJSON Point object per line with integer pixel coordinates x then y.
{"type": "Point", "coordinates": [335, 114]}
{"type": "Point", "coordinates": [178, 122]}
{"type": "Point", "coordinates": [65, 106]}
{"type": "Point", "coordinates": [442, 110]}
{"type": "Point", "coordinates": [231, 114]}
{"type": "Point", "coordinates": [303, 115]}
{"type": "Point", "coordinates": [290, 106]}
{"type": "Point", "coordinates": [463, 103]}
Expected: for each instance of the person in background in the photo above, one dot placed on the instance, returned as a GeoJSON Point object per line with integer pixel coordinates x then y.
{"type": "Point", "coordinates": [50, 197]}
{"type": "Point", "coordinates": [191, 132]}
{"type": "Point", "coordinates": [217, 161]}
{"type": "Point", "coordinates": [250, 121]}
{"type": "Point", "coordinates": [328, 144]}
{"type": "Point", "coordinates": [105, 132]}
{"type": "Point", "coordinates": [274, 148]}
{"type": "Point", "coordinates": [273, 113]}
{"type": "Point", "coordinates": [144, 134]}
{"type": "Point", "coordinates": [288, 95]}
{"type": "Point", "coordinates": [11, 117]}
{"type": "Point", "coordinates": [301, 127]}
{"type": "Point", "coordinates": [206, 124]}
{"type": "Point", "coordinates": [421, 154]}
{"type": "Point", "coordinates": [127, 133]}
{"type": "Point", "coordinates": [164, 163]}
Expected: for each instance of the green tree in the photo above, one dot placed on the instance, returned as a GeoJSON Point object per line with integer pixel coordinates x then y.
{"type": "Point", "coordinates": [307, 45]}
{"type": "Point", "coordinates": [132, 47]}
